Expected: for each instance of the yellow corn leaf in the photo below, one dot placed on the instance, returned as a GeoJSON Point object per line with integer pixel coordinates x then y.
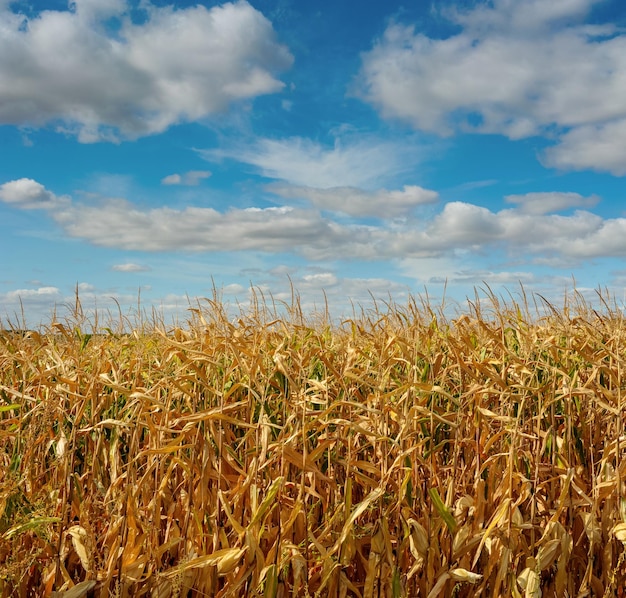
{"type": "Point", "coordinates": [372, 576]}
{"type": "Point", "coordinates": [225, 504]}
{"type": "Point", "coordinates": [225, 559]}
{"type": "Point", "coordinates": [491, 415]}
{"type": "Point", "coordinates": [61, 445]}
{"type": "Point", "coordinates": [78, 591]}
{"type": "Point", "coordinates": [465, 575]}
{"type": "Point", "coordinates": [229, 559]}
{"type": "Point", "coordinates": [498, 517]}
{"type": "Point", "coordinates": [528, 580]}
{"type": "Point", "coordinates": [439, 586]}
{"type": "Point", "coordinates": [268, 501]}
{"type": "Point", "coordinates": [619, 531]}
{"type": "Point", "coordinates": [592, 529]}
{"type": "Point", "coordinates": [418, 538]}
{"type": "Point", "coordinates": [460, 540]}
{"type": "Point", "coordinates": [79, 541]}
{"type": "Point", "coordinates": [362, 506]}
{"type": "Point", "coordinates": [298, 460]}
{"type": "Point", "coordinates": [561, 569]}
{"type": "Point", "coordinates": [547, 553]}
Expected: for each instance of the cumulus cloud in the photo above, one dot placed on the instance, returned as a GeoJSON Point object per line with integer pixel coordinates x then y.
{"type": "Point", "coordinates": [176, 65]}
{"type": "Point", "coordinates": [515, 15]}
{"type": "Point", "coordinates": [545, 203]}
{"type": "Point", "coordinates": [130, 267]}
{"type": "Point", "coordinates": [356, 202]}
{"type": "Point", "coordinates": [18, 303]}
{"type": "Point", "coordinates": [120, 224]}
{"type": "Point", "coordinates": [600, 147]}
{"type": "Point", "coordinates": [362, 162]}
{"type": "Point", "coordinates": [28, 194]}
{"type": "Point", "coordinates": [517, 68]}
{"type": "Point", "coordinates": [527, 229]}
{"type": "Point", "coordinates": [191, 178]}
{"type": "Point", "coordinates": [466, 226]}
{"type": "Point", "coordinates": [45, 293]}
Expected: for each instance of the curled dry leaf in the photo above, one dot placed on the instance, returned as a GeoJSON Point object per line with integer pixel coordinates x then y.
{"type": "Point", "coordinates": [619, 531]}
{"type": "Point", "coordinates": [465, 575]}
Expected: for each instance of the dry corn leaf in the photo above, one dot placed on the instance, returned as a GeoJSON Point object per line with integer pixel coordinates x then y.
{"type": "Point", "coordinates": [418, 538]}
{"type": "Point", "coordinates": [80, 539]}
{"type": "Point", "coordinates": [268, 502]}
{"type": "Point", "coordinates": [498, 518]}
{"type": "Point", "coordinates": [78, 591]}
{"type": "Point", "coordinates": [464, 575]}
{"type": "Point", "coordinates": [225, 559]}
{"type": "Point", "coordinates": [547, 553]}
{"type": "Point", "coordinates": [440, 585]}
{"type": "Point", "coordinates": [359, 509]}
{"type": "Point", "coordinates": [529, 581]}
{"type": "Point", "coordinates": [619, 531]}
{"type": "Point", "coordinates": [592, 528]}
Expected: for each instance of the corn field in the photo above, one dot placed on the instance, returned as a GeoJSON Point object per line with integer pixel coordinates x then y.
{"type": "Point", "coordinates": [397, 453]}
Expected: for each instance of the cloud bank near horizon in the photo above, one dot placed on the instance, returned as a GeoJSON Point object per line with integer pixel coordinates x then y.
{"type": "Point", "coordinates": [533, 227]}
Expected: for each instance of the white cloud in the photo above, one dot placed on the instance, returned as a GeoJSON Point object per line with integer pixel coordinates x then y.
{"type": "Point", "coordinates": [599, 147]}
{"type": "Point", "coordinates": [178, 65]}
{"type": "Point", "coordinates": [356, 202]}
{"type": "Point", "coordinates": [517, 68]}
{"type": "Point", "coordinates": [29, 194]}
{"type": "Point", "coordinates": [516, 15]}
{"type": "Point", "coordinates": [478, 277]}
{"type": "Point", "coordinates": [117, 223]}
{"type": "Point", "coordinates": [129, 267]}
{"type": "Point", "coordinates": [233, 289]}
{"type": "Point", "coordinates": [464, 225]}
{"type": "Point", "coordinates": [545, 203]}
{"type": "Point", "coordinates": [172, 179]}
{"type": "Point", "coordinates": [527, 231]}
{"type": "Point", "coordinates": [191, 178]}
{"type": "Point", "coordinates": [33, 303]}
{"type": "Point", "coordinates": [45, 293]}
{"type": "Point", "coordinates": [363, 162]}
{"type": "Point", "coordinates": [39, 304]}
{"type": "Point", "coordinates": [318, 288]}
{"type": "Point", "coordinates": [321, 279]}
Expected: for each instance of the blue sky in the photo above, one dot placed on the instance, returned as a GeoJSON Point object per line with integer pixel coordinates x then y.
{"type": "Point", "coordinates": [352, 149]}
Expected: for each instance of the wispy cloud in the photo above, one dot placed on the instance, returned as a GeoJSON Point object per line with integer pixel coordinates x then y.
{"type": "Point", "coordinates": [364, 162]}
{"type": "Point", "coordinates": [130, 267]}
{"type": "Point", "coordinates": [191, 178]}
{"type": "Point", "coordinates": [173, 66]}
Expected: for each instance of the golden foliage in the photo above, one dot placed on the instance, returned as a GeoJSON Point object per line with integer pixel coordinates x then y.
{"type": "Point", "coordinates": [397, 453]}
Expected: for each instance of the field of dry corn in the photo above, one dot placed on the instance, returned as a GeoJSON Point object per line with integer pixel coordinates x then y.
{"type": "Point", "coordinates": [397, 453]}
